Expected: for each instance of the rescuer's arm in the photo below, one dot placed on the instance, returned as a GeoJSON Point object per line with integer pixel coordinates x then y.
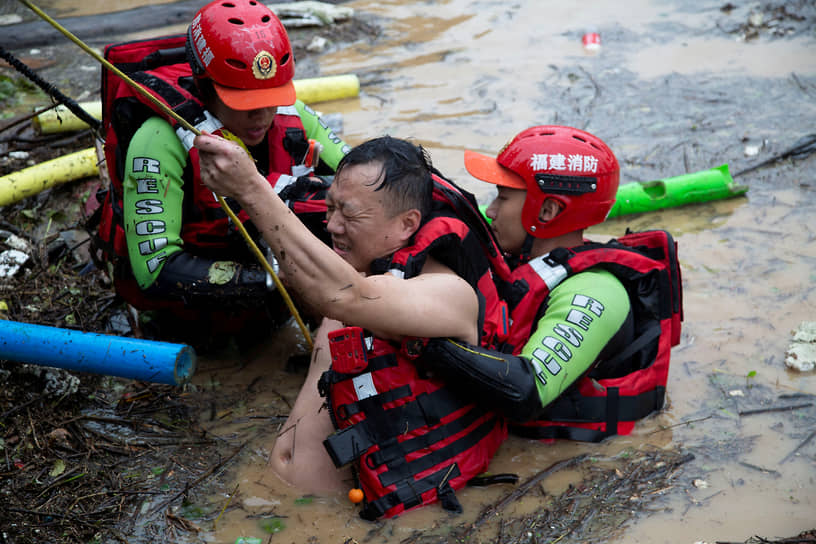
{"type": "Point", "coordinates": [583, 314]}
{"type": "Point", "coordinates": [153, 203]}
{"type": "Point", "coordinates": [153, 194]}
{"type": "Point", "coordinates": [501, 381]}
{"type": "Point", "coordinates": [437, 302]}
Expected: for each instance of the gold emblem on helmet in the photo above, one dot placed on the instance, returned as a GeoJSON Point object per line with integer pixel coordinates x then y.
{"type": "Point", "coordinates": [264, 66]}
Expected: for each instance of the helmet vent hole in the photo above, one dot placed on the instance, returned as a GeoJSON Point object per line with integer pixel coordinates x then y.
{"type": "Point", "coordinates": [235, 63]}
{"type": "Point", "coordinates": [228, 5]}
{"type": "Point", "coordinates": [235, 21]}
{"type": "Point", "coordinates": [284, 59]}
{"type": "Point", "coordinates": [579, 138]}
{"type": "Point", "coordinates": [265, 19]}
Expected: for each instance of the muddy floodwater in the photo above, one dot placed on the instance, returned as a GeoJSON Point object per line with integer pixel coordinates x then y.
{"type": "Point", "coordinates": [671, 92]}
{"type": "Point", "coordinates": [675, 88]}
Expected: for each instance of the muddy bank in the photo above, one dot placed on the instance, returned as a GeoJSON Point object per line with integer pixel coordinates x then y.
{"type": "Point", "coordinates": [74, 72]}
{"type": "Point", "coordinates": [103, 444]}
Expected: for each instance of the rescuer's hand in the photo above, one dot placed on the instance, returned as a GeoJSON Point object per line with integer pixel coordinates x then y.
{"type": "Point", "coordinates": [226, 168]}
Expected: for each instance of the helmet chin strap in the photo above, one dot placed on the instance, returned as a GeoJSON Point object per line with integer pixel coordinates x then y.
{"type": "Point", "coordinates": [526, 248]}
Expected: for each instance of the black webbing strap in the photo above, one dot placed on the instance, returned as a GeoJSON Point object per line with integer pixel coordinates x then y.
{"type": "Point", "coordinates": [296, 144]}
{"type": "Point", "coordinates": [574, 409]}
{"type": "Point", "coordinates": [388, 455]}
{"type": "Point", "coordinates": [345, 411]}
{"type": "Point", "coordinates": [648, 336]}
{"type": "Point", "coordinates": [381, 426]}
{"type": "Point", "coordinates": [410, 494]}
{"type": "Point", "coordinates": [467, 209]}
{"type": "Point", "coordinates": [172, 96]}
{"type": "Point", "coordinates": [617, 407]}
{"type": "Point", "coordinates": [332, 376]}
{"type": "Point", "coordinates": [188, 109]}
{"type": "Point", "coordinates": [579, 434]}
{"type": "Point", "coordinates": [400, 470]}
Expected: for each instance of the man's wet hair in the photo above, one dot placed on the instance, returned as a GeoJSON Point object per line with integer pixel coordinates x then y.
{"type": "Point", "coordinates": [405, 176]}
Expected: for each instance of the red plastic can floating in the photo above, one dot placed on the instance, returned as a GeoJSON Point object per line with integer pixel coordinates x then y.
{"type": "Point", "coordinates": [591, 41]}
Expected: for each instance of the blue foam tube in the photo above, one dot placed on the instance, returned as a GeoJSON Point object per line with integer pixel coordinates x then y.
{"type": "Point", "coordinates": [147, 360]}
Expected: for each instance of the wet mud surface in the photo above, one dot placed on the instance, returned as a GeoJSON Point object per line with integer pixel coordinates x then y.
{"type": "Point", "coordinates": [96, 459]}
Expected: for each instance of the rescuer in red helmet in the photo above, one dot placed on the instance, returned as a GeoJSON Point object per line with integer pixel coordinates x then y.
{"type": "Point", "coordinates": [592, 324]}
{"type": "Point", "coordinates": [172, 247]}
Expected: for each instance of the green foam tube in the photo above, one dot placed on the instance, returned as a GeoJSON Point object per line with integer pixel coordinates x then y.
{"type": "Point", "coordinates": [712, 184]}
{"type": "Point", "coordinates": [646, 196]}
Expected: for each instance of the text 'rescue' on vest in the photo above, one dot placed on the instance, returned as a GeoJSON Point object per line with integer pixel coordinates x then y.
{"type": "Point", "coordinates": [412, 440]}
{"type": "Point", "coordinates": [596, 405]}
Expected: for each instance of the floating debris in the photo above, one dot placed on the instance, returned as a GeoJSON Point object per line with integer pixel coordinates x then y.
{"type": "Point", "coordinates": [801, 354]}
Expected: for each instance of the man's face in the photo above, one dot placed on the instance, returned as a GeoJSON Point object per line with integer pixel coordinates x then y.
{"type": "Point", "coordinates": [505, 215]}
{"type": "Point", "coordinates": [250, 126]}
{"type": "Point", "coordinates": [356, 217]}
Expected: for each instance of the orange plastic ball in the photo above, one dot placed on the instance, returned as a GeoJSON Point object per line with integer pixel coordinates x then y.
{"type": "Point", "coordinates": [356, 495]}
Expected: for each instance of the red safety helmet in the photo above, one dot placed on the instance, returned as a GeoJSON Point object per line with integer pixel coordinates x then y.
{"type": "Point", "coordinates": [243, 48]}
{"type": "Point", "coordinates": [563, 163]}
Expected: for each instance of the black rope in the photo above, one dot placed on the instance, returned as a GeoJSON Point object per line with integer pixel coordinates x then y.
{"type": "Point", "coordinates": [52, 91]}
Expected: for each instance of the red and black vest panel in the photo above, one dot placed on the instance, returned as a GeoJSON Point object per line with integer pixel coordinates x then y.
{"type": "Point", "coordinates": [411, 439]}
{"type": "Point", "coordinates": [598, 405]}
{"type": "Point", "coordinates": [205, 223]}
{"type": "Point", "coordinates": [159, 66]}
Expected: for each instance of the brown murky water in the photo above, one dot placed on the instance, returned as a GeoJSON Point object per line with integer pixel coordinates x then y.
{"type": "Point", "coordinates": [462, 74]}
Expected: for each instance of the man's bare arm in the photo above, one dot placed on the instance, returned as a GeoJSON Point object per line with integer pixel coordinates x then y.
{"type": "Point", "coordinates": [435, 303]}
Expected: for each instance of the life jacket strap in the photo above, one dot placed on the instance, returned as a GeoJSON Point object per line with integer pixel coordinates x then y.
{"type": "Point", "coordinates": [609, 409]}
{"type": "Point", "coordinates": [400, 470]}
{"type": "Point", "coordinates": [393, 454]}
{"type": "Point", "coordinates": [410, 495]}
{"type": "Point", "coordinates": [651, 334]}
{"type": "Point", "coordinates": [331, 376]}
{"type": "Point", "coordinates": [380, 425]}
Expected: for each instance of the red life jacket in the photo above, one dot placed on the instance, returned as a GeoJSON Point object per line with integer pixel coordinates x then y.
{"type": "Point", "coordinates": [597, 406]}
{"type": "Point", "coordinates": [159, 65]}
{"type": "Point", "coordinates": [458, 237]}
{"type": "Point", "coordinates": [412, 440]}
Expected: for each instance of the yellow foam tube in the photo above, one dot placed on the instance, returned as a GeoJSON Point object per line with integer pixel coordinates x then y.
{"type": "Point", "coordinates": [30, 181]}
{"type": "Point", "coordinates": [60, 119]}
{"type": "Point", "coordinates": [309, 90]}
{"type": "Point", "coordinates": [323, 89]}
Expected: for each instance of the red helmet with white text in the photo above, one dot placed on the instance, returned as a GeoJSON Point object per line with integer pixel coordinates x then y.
{"type": "Point", "coordinates": [244, 49]}
{"type": "Point", "coordinates": [571, 166]}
